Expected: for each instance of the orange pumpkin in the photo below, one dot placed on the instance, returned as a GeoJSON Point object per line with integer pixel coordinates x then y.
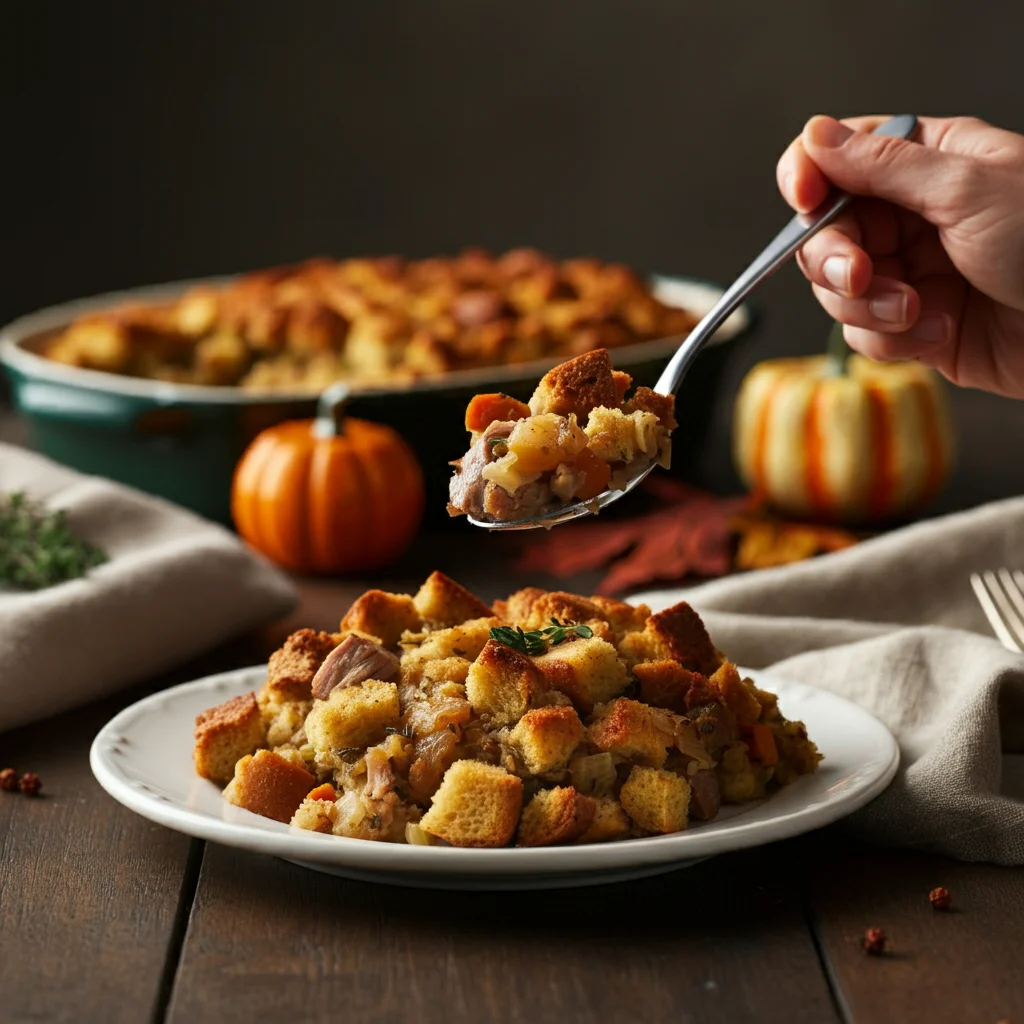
{"type": "Point", "coordinates": [841, 438]}
{"type": "Point", "coordinates": [330, 494]}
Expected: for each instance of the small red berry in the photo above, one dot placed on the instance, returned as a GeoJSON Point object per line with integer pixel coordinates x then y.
{"type": "Point", "coordinates": [874, 941]}
{"type": "Point", "coordinates": [940, 898]}
{"type": "Point", "coordinates": [9, 780]}
{"type": "Point", "coordinates": [29, 784]}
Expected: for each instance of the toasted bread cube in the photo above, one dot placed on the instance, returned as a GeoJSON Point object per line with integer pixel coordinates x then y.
{"type": "Point", "coordinates": [593, 774]}
{"type": "Point", "coordinates": [658, 801]}
{"type": "Point", "coordinates": [666, 684]}
{"type": "Point", "coordinates": [588, 672]}
{"type": "Point", "coordinates": [661, 406]}
{"type": "Point", "coordinates": [738, 695]}
{"type": "Point", "coordinates": [476, 804]}
{"type": "Point", "coordinates": [576, 386]}
{"type": "Point", "coordinates": [621, 380]}
{"type": "Point", "coordinates": [738, 779]}
{"type": "Point", "coordinates": [316, 813]}
{"type": "Point", "coordinates": [382, 615]}
{"type": "Point", "coordinates": [562, 606]}
{"type": "Point", "coordinates": [292, 666]}
{"type": "Point", "coordinates": [614, 436]}
{"type": "Point", "coordinates": [610, 822]}
{"type": "Point", "coordinates": [356, 716]}
{"type": "Point", "coordinates": [226, 733]}
{"type": "Point", "coordinates": [622, 617]}
{"type": "Point", "coordinates": [546, 738]}
{"type": "Point", "coordinates": [443, 602]}
{"type": "Point", "coordinates": [676, 634]}
{"type": "Point", "coordinates": [632, 731]}
{"type": "Point", "coordinates": [503, 683]}
{"type": "Point", "coordinates": [517, 607]}
{"type": "Point", "coordinates": [269, 784]}
{"type": "Point", "coordinates": [462, 643]}
{"type": "Point", "coordinates": [557, 815]}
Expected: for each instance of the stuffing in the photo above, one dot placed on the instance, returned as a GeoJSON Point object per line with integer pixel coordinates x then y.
{"type": "Point", "coordinates": [589, 671]}
{"type": "Point", "coordinates": [610, 822]}
{"type": "Point", "coordinates": [622, 617]}
{"type": "Point", "coordinates": [269, 784]}
{"type": "Point", "coordinates": [503, 683]}
{"type": "Point", "coordinates": [224, 734]}
{"type": "Point", "coordinates": [576, 387]}
{"type": "Point", "coordinates": [632, 731]}
{"type": "Point", "coordinates": [382, 615]}
{"type": "Point", "coordinates": [554, 816]}
{"type": "Point", "coordinates": [658, 801]}
{"type": "Point", "coordinates": [476, 805]}
{"type": "Point", "coordinates": [444, 654]}
{"type": "Point", "coordinates": [443, 602]}
{"type": "Point", "coordinates": [355, 716]}
{"type": "Point", "coordinates": [614, 436]}
{"type": "Point", "coordinates": [292, 667]}
{"type": "Point", "coordinates": [675, 634]}
{"type": "Point", "coordinates": [546, 738]}
{"type": "Point", "coordinates": [517, 607]}
{"type": "Point", "coordinates": [663, 407]}
{"type": "Point", "coordinates": [666, 684]}
{"type": "Point", "coordinates": [738, 695]}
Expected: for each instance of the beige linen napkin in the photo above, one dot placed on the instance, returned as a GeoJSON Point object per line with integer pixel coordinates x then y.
{"type": "Point", "coordinates": [893, 625]}
{"type": "Point", "coordinates": [174, 586]}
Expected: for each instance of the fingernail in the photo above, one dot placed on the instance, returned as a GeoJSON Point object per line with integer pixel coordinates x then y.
{"type": "Point", "coordinates": [890, 306]}
{"type": "Point", "coordinates": [827, 132]}
{"type": "Point", "coordinates": [933, 327]}
{"type": "Point", "coordinates": [836, 270]}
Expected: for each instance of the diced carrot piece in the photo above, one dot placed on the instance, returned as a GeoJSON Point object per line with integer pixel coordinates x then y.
{"type": "Point", "coordinates": [760, 742]}
{"type": "Point", "coordinates": [324, 792]}
{"type": "Point", "coordinates": [596, 474]}
{"type": "Point", "coordinates": [483, 410]}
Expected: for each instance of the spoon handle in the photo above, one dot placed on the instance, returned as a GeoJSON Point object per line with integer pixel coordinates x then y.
{"type": "Point", "coordinates": [778, 250]}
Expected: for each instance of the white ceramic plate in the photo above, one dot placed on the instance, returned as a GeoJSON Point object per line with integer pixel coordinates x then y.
{"type": "Point", "coordinates": [143, 758]}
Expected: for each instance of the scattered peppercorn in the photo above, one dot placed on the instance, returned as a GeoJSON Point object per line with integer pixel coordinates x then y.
{"type": "Point", "coordinates": [9, 780]}
{"type": "Point", "coordinates": [940, 898]}
{"type": "Point", "coordinates": [874, 941]}
{"type": "Point", "coordinates": [30, 784]}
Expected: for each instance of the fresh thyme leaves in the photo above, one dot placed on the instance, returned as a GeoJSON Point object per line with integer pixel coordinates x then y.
{"type": "Point", "coordinates": [537, 641]}
{"type": "Point", "coordinates": [37, 547]}
{"type": "Point", "coordinates": [350, 755]}
{"type": "Point", "coordinates": [497, 440]}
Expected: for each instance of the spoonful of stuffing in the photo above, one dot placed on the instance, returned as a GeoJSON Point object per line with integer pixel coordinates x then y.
{"type": "Point", "coordinates": [580, 443]}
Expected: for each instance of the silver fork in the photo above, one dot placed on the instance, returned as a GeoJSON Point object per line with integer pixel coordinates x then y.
{"type": "Point", "coordinates": [1001, 596]}
{"type": "Point", "coordinates": [779, 250]}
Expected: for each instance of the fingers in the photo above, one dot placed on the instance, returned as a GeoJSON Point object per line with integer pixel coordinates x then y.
{"type": "Point", "coordinates": [801, 182]}
{"type": "Point", "coordinates": [834, 260]}
{"type": "Point", "coordinates": [887, 305]}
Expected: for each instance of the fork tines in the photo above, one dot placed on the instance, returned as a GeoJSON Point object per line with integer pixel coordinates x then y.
{"type": "Point", "coordinates": [1001, 596]}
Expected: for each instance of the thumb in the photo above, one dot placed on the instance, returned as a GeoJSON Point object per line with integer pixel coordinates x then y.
{"type": "Point", "coordinates": [907, 173]}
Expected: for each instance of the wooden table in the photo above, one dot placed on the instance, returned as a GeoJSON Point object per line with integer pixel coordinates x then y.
{"type": "Point", "coordinates": [105, 917]}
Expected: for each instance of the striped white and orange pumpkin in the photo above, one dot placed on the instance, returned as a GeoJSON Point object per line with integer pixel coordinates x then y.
{"type": "Point", "coordinates": [857, 443]}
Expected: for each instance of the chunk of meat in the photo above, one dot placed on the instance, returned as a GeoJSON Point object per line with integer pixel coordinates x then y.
{"type": "Point", "coordinates": [705, 797]}
{"type": "Point", "coordinates": [467, 486]}
{"type": "Point", "coordinates": [528, 501]}
{"type": "Point", "coordinates": [353, 661]}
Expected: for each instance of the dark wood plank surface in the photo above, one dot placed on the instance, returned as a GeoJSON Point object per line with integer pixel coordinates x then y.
{"type": "Point", "coordinates": [709, 943]}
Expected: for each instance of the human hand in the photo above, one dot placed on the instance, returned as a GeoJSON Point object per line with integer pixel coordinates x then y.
{"type": "Point", "coordinates": [929, 263]}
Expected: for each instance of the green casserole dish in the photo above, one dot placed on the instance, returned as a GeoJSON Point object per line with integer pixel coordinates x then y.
{"type": "Point", "coordinates": [182, 441]}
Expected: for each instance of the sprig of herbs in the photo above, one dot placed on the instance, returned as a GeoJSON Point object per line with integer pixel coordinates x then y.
{"type": "Point", "coordinates": [38, 548]}
{"type": "Point", "coordinates": [537, 641]}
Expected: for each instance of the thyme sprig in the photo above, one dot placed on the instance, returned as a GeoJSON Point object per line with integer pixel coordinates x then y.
{"type": "Point", "coordinates": [537, 641]}
{"type": "Point", "coordinates": [38, 548]}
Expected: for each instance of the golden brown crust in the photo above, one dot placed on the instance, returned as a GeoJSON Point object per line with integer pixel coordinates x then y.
{"type": "Point", "coordinates": [443, 602]}
{"type": "Point", "coordinates": [666, 684]}
{"type": "Point", "coordinates": [225, 733]}
{"type": "Point", "coordinates": [558, 604]}
{"type": "Point", "coordinates": [382, 615]}
{"type": "Point", "coordinates": [663, 406]}
{"type": "Point", "coordinates": [553, 816]}
{"type": "Point", "coordinates": [503, 683]}
{"type": "Point", "coordinates": [268, 784]}
{"type": "Point", "coordinates": [588, 672]}
{"type": "Point", "coordinates": [546, 738]}
{"type": "Point", "coordinates": [610, 822]}
{"type": "Point", "coordinates": [736, 695]}
{"type": "Point", "coordinates": [632, 731]}
{"type": "Point", "coordinates": [517, 607]}
{"type": "Point", "coordinates": [675, 634]}
{"type": "Point", "coordinates": [576, 386]}
{"type": "Point", "coordinates": [292, 666]}
{"type": "Point", "coordinates": [476, 805]}
{"type": "Point", "coordinates": [657, 800]}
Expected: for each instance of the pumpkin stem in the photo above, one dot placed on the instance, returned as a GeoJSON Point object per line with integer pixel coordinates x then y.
{"type": "Point", "coordinates": [838, 351]}
{"type": "Point", "coordinates": [329, 420]}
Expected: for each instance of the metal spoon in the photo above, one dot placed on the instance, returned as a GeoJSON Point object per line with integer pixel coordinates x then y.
{"type": "Point", "coordinates": [778, 251]}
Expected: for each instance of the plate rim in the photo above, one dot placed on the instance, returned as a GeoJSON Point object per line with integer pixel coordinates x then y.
{"type": "Point", "coordinates": [389, 858]}
{"type": "Point", "coordinates": [16, 355]}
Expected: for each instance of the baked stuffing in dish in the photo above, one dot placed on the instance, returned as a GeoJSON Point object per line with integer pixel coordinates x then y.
{"type": "Point", "coordinates": [550, 718]}
{"type": "Point", "coordinates": [578, 437]}
{"type": "Point", "coordinates": [374, 321]}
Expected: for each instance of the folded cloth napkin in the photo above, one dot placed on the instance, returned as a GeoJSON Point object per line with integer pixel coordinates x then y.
{"type": "Point", "coordinates": [893, 625]}
{"type": "Point", "coordinates": [174, 586]}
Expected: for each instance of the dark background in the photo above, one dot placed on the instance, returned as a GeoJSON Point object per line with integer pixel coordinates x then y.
{"type": "Point", "coordinates": [154, 141]}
